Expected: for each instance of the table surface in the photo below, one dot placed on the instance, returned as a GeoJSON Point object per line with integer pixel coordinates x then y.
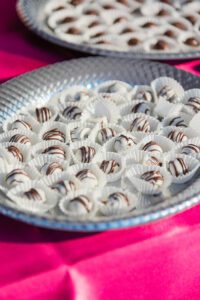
{"type": "Point", "coordinates": [155, 261]}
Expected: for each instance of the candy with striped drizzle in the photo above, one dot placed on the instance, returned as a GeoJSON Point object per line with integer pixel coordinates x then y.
{"type": "Point", "coordinates": [56, 151]}
{"type": "Point", "coordinates": [167, 93]}
{"type": "Point", "coordinates": [153, 177]}
{"type": "Point", "coordinates": [123, 143]}
{"type": "Point", "coordinates": [43, 114]}
{"type": "Point", "coordinates": [80, 205]}
{"type": "Point", "coordinates": [194, 103]}
{"type": "Point", "coordinates": [36, 195]}
{"type": "Point", "coordinates": [16, 153]}
{"type": "Point", "coordinates": [17, 176]}
{"type": "Point", "coordinates": [190, 149]}
{"type": "Point", "coordinates": [20, 125]}
{"type": "Point", "coordinates": [20, 138]}
{"type": "Point", "coordinates": [178, 167]}
{"type": "Point", "coordinates": [152, 147]}
{"type": "Point", "coordinates": [85, 154]}
{"type": "Point", "coordinates": [144, 95]}
{"type": "Point", "coordinates": [110, 166]}
{"type": "Point", "coordinates": [87, 177]}
{"type": "Point", "coordinates": [140, 124]}
{"type": "Point", "coordinates": [116, 200]}
{"type": "Point", "coordinates": [64, 186]}
{"type": "Point", "coordinates": [177, 136]}
{"type": "Point", "coordinates": [177, 121]}
{"type": "Point", "coordinates": [105, 134]}
{"type": "Point", "coordinates": [51, 168]}
{"type": "Point", "coordinates": [141, 107]}
{"type": "Point", "coordinates": [72, 112]}
{"type": "Point", "coordinates": [54, 135]}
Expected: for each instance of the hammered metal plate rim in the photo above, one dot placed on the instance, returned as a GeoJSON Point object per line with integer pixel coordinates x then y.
{"type": "Point", "coordinates": [8, 92]}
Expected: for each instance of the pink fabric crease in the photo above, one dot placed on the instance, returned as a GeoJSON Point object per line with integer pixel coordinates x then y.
{"type": "Point", "coordinates": [155, 261]}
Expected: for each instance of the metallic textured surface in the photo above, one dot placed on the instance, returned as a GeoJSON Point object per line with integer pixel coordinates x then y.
{"type": "Point", "coordinates": [38, 86]}
{"type": "Point", "coordinates": [30, 12]}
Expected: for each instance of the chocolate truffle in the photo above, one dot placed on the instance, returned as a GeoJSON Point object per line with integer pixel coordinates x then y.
{"type": "Point", "coordinates": [16, 153]}
{"type": "Point", "coordinates": [66, 20]}
{"type": "Point", "coordinates": [56, 151]}
{"type": "Point", "coordinates": [91, 12]}
{"type": "Point", "coordinates": [85, 154]}
{"type": "Point", "coordinates": [123, 143]}
{"type": "Point", "coordinates": [177, 136]}
{"type": "Point", "coordinates": [141, 107]}
{"type": "Point", "coordinates": [116, 200]}
{"type": "Point", "coordinates": [149, 25]}
{"type": "Point", "coordinates": [119, 20]}
{"type": "Point", "coordinates": [163, 13]}
{"type": "Point", "coordinates": [20, 138]}
{"type": "Point", "coordinates": [76, 2]}
{"type": "Point", "coordinates": [36, 195]}
{"type": "Point", "coordinates": [94, 24]}
{"type": "Point", "coordinates": [178, 167]}
{"type": "Point", "coordinates": [72, 112]}
{"type": "Point", "coordinates": [190, 149]}
{"type": "Point", "coordinates": [64, 186]}
{"type": "Point", "coordinates": [20, 125]}
{"type": "Point", "coordinates": [133, 41]}
{"type": "Point", "coordinates": [17, 176]}
{"type": "Point", "coordinates": [153, 177]}
{"type": "Point", "coordinates": [178, 122]}
{"type": "Point", "coordinates": [54, 135]}
{"type": "Point", "coordinates": [105, 134]}
{"type": "Point", "coordinates": [152, 161]}
{"type": "Point", "coordinates": [80, 205]}
{"type": "Point", "coordinates": [194, 103]}
{"type": "Point", "coordinates": [126, 30]}
{"type": "Point", "coordinates": [98, 34]}
{"type": "Point", "coordinates": [179, 25]}
{"type": "Point", "coordinates": [152, 147]}
{"type": "Point", "coordinates": [110, 166]}
{"type": "Point", "coordinates": [43, 114]}
{"type": "Point", "coordinates": [79, 134]}
{"type": "Point", "coordinates": [74, 31]}
{"type": "Point", "coordinates": [140, 124]}
{"type": "Point", "coordinates": [170, 33]}
{"type": "Point", "coordinates": [191, 18]}
{"type": "Point", "coordinates": [87, 177]}
{"type": "Point", "coordinates": [51, 168]}
{"type": "Point", "coordinates": [167, 93]}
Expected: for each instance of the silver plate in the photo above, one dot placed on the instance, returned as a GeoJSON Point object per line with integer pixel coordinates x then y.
{"type": "Point", "coordinates": [38, 86]}
{"type": "Point", "coordinates": [30, 12]}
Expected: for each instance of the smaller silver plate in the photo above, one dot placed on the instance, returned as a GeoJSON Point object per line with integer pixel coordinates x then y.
{"type": "Point", "coordinates": [30, 12]}
{"type": "Point", "coordinates": [38, 86]}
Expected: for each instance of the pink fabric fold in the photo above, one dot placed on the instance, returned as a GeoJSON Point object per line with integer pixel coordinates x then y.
{"type": "Point", "coordinates": [154, 261]}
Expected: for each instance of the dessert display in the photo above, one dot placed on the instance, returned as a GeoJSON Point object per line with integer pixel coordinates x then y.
{"type": "Point", "coordinates": [95, 152]}
{"type": "Point", "coordinates": [128, 26]}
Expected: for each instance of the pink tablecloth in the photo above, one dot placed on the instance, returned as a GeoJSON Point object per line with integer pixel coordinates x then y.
{"type": "Point", "coordinates": [156, 261]}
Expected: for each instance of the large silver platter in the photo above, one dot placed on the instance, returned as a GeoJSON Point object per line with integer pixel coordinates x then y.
{"type": "Point", "coordinates": [30, 12]}
{"type": "Point", "coordinates": [39, 85]}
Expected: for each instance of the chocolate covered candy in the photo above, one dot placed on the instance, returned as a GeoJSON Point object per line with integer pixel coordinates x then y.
{"type": "Point", "coordinates": [64, 186]}
{"type": "Point", "coordinates": [190, 149]}
{"type": "Point", "coordinates": [56, 151]}
{"type": "Point", "coordinates": [87, 177]}
{"type": "Point", "coordinates": [167, 93]}
{"type": "Point", "coordinates": [54, 135]}
{"type": "Point", "coordinates": [141, 107]}
{"type": "Point", "coordinates": [160, 45]}
{"type": "Point", "coordinates": [144, 95]}
{"type": "Point", "coordinates": [116, 200]}
{"type": "Point", "coordinates": [123, 143]}
{"type": "Point", "coordinates": [85, 154]}
{"type": "Point", "coordinates": [20, 138]}
{"type": "Point", "coordinates": [16, 153]}
{"type": "Point", "coordinates": [51, 168]}
{"type": "Point", "coordinates": [177, 136]}
{"type": "Point", "coordinates": [133, 41]}
{"type": "Point", "coordinates": [140, 124]}
{"type": "Point", "coordinates": [36, 195]}
{"type": "Point", "coordinates": [153, 177]}
{"type": "Point", "coordinates": [79, 134]}
{"type": "Point", "coordinates": [110, 166]}
{"type": "Point", "coordinates": [80, 205]}
{"type": "Point", "coordinates": [178, 167]}
{"type": "Point", "coordinates": [105, 134]}
{"type": "Point", "coordinates": [43, 114]}
{"type": "Point", "coordinates": [194, 104]}
{"type": "Point", "coordinates": [16, 176]}
{"type": "Point", "coordinates": [152, 161]}
{"type": "Point", "coordinates": [152, 147]}
{"type": "Point", "coordinates": [20, 125]}
{"type": "Point", "coordinates": [72, 112]}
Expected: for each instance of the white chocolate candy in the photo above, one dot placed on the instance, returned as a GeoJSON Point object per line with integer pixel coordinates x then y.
{"type": "Point", "coordinates": [177, 136]}
{"type": "Point", "coordinates": [167, 93]}
{"type": "Point", "coordinates": [72, 112]}
{"type": "Point", "coordinates": [17, 176]}
{"type": "Point", "coordinates": [152, 147]}
{"type": "Point", "coordinates": [109, 166]}
{"type": "Point", "coordinates": [80, 205]}
{"type": "Point", "coordinates": [194, 104]}
{"type": "Point", "coordinates": [116, 200]}
{"type": "Point", "coordinates": [144, 95]}
{"type": "Point", "coordinates": [64, 187]}
{"type": "Point", "coordinates": [123, 143]}
{"type": "Point", "coordinates": [141, 107]}
{"type": "Point", "coordinates": [20, 125]}
{"type": "Point", "coordinates": [85, 154]}
{"type": "Point", "coordinates": [87, 177]}
{"type": "Point", "coordinates": [190, 149]}
{"type": "Point", "coordinates": [36, 195]}
{"type": "Point", "coordinates": [178, 167]}
{"type": "Point", "coordinates": [153, 177]}
{"type": "Point", "coordinates": [79, 134]}
{"type": "Point", "coordinates": [51, 168]}
{"type": "Point", "coordinates": [140, 124]}
{"type": "Point", "coordinates": [105, 134]}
